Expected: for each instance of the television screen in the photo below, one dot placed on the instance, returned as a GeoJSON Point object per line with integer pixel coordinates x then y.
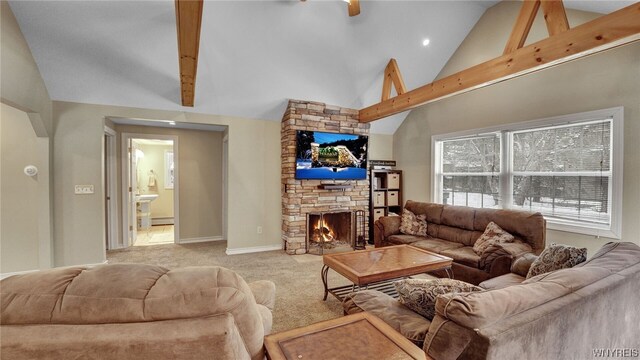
{"type": "Point", "coordinates": [322, 155]}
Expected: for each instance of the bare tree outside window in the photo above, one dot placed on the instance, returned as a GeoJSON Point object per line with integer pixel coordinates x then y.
{"type": "Point", "coordinates": [561, 171]}
{"type": "Point", "coordinates": [471, 171]}
{"type": "Point", "coordinates": [564, 171]}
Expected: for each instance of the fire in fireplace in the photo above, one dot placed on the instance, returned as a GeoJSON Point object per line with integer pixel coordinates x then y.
{"type": "Point", "coordinates": [322, 232]}
{"type": "Point", "coordinates": [329, 232]}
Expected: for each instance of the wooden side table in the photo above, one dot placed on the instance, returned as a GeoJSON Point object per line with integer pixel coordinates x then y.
{"type": "Point", "coordinates": [352, 337]}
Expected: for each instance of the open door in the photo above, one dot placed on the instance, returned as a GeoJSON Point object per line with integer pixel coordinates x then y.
{"type": "Point", "coordinates": [132, 186]}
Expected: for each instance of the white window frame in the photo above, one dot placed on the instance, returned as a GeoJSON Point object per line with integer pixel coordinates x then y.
{"type": "Point", "coordinates": [614, 230]}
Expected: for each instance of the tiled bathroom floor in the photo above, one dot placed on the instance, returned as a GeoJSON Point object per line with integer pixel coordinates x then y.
{"type": "Point", "coordinates": [157, 235]}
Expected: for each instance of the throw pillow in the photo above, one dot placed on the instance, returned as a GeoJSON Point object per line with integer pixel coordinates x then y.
{"type": "Point", "coordinates": [420, 295]}
{"type": "Point", "coordinates": [493, 234]}
{"type": "Point", "coordinates": [412, 224]}
{"type": "Point", "coordinates": [557, 257]}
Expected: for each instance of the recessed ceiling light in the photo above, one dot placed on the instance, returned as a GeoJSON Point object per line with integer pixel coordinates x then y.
{"type": "Point", "coordinates": [172, 123]}
{"type": "Point", "coordinates": [426, 42]}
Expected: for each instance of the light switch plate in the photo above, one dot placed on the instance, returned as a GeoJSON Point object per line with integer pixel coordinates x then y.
{"type": "Point", "coordinates": [84, 189]}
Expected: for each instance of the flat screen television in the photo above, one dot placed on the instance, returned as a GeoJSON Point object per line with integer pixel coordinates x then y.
{"type": "Point", "coordinates": [323, 155]}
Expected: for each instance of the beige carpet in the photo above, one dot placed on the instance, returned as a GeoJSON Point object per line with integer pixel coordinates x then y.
{"type": "Point", "coordinates": [297, 277]}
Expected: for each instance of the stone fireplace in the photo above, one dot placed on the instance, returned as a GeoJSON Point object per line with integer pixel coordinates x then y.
{"type": "Point", "coordinates": [304, 199]}
{"type": "Point", "coordinates": [330, 231]}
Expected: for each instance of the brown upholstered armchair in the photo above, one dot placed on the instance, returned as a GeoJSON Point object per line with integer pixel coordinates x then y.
{"type": "Point", "coordinates": [133, 311]}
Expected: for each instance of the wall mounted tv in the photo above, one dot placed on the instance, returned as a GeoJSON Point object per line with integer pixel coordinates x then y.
{"type": "Point", "coordinates": [322, 155]}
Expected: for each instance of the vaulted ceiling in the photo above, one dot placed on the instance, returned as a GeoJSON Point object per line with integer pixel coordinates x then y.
{"type": "Point", "coordinates": [254, 55]}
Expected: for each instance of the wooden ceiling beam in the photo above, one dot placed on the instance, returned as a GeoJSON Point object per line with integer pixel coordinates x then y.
{"type": "Point", "coordinates": [606, 32]}
{"type": "Point", "coordinates": [555, 16]}
{"type": "Point", "coordinates": [188, 23]}
{"type": "Point", "coordinates": [522, 26]}
{"type": "Point", "coordinates": [354, 7]}
{"type": "Point", "coordinates": [392, 76]}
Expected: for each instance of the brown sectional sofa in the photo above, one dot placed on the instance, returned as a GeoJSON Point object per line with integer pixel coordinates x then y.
{"type": "Point", "coordinates": [452, 231]}
{"type": "Point", "coordinates": [134, 312]}
{"type": "Point", "coordinates": [565, 314]}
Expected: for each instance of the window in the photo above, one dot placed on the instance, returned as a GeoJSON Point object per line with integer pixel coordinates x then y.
{"type": "Point", "coordinates": [471, 171]}
{"type": "Point", "coordinates": [568, 168]}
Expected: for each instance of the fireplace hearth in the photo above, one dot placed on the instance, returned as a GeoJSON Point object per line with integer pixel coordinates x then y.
{"type": "Point", "coordinates": [329, 232]}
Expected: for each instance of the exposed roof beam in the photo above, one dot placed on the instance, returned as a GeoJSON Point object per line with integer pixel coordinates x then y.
{"type": "Point", "coordinates": [354, 7]}
{"type": "Point", "coordinates": [522, 26]}
{"type": "Point", "coordinates": [392, 76]}
{"type": "Point", "coordinates": [606, 32]}
{"type": "Point", "coordinates": [555, 16]}
{"type": "Point", "coordinates": [188, 22]}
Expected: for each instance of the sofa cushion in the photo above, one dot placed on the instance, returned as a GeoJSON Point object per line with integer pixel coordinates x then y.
{"type": "Point", "coordinates": [432, 211]}
{"type": "Point", "coordinates": [615, 256]}
{"type": "Point", "coordinates": [479, 309]}
{"type": "Point", "coordinates": [502, 281]}
{"type": "Point", "coordinates": [264, 291]}
{"type": "Point", "coordinates": [408, 323]}
{"type": "Point", "coordinates": [452, 233]}
{"type": "Point", "coordinates": [557, 257]}
{"type": "Point", "coordinates": [493, 234]}
{"type": "Point", "coordinates": [522, 264]}
{"type": "Point", "coordinates": [499, 250]}
{"type": "Point", "coordinates": [120, 293]}
{"type": "Point", "coordinates": [458, 216]}
{"type": "Point", "coordinates": [266, 316]}
{"type": "Point", "coordinates": [528, 226]}
{"type": "Point", "coordinates": [389, 225]}
{"type": "Point", "coordinates": [420, 295]}
{"type": "Point", "coordinates": [412, 224]}
{"type": "Point", "coordinates": [463, 255]}
{"type": "Point", "coordinates": [404, 239]}
{"type": "Point", "coordinates": [436, 245]}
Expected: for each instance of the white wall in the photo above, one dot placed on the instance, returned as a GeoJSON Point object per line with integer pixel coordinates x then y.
{"type": "Point", "coordinates": [599, 81]}
{"type": "Point", "coordinates": [253, 168]}
{"type": "Point", "coordinates": [22, 88]}
{"type": "Point", "coordinates": [18, 192]}
{"type": "Point", "coordinates": [380, 147]}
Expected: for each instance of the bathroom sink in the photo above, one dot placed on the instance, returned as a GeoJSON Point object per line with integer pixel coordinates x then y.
{"type": "Point", "coordinates": [146, 197]}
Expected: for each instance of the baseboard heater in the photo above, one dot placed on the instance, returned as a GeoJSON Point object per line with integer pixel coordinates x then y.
{"type": "Point", "coordinates": [162, 221]}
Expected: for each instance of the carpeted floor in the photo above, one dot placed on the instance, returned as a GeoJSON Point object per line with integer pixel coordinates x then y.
{"type": "Point", "coordinates": [297, 277]}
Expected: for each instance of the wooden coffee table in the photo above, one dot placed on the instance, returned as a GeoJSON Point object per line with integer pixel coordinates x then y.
{"type": "Point", "coordinates": [374, 268]}
{"type": "Point", "coordinates": [352, 337]}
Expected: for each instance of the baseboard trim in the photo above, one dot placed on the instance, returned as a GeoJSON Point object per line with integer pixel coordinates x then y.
{"type": "Point", "coordinates": [253, 249]}
{"type": "Point", "coordinates": [6, 275]}
{"type": "Point", "coordinates": [162, 221]}
{"type": "Point", "coordinates": [200, 239]}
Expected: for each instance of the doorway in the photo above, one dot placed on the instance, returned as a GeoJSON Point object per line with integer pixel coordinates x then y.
{"type": "Point", "coordinates": [110, 182]}
{"type": "Point", "coordinates": [150, 180]}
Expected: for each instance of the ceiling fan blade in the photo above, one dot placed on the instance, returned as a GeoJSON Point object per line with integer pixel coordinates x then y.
{"type": "Point", "coordinates": [354, 7]}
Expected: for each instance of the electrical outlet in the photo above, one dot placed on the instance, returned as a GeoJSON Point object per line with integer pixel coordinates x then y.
{"type": "Point", "coordinates": [84, 189]}
{"type": "Point", "coordinates": [259, 229]}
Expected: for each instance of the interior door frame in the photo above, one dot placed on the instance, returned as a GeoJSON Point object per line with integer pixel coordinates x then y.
{"type": "Point", "coordinates": [111, 188]}
{"type": "Point", "coordinates": [125, 137]}
{"type": "Point", "coordinates": [225, 175]}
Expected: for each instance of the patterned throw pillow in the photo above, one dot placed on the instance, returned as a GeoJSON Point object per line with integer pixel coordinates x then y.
{"type": "Point", "coordinates": [412, 224]}
{"type": "Point", "coordinates": [556, 257]}
{"type": "Point", "coordinates": [493, 234]}
{"type": "Point", "coordinates": [420, 295]}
